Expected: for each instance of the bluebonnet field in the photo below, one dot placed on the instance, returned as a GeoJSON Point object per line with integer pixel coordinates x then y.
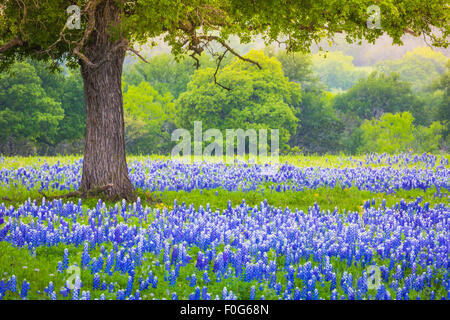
{"type": "Point", "coordinates": [395, 249]}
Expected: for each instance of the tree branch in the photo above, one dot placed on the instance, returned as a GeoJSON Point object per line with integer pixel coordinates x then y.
{"type": "Point", "coordinates": [137, 54]}
{"type": "Point", "coordinates": [11, 44]}
{"type": "Point", "coordinates": [226, 46]}
{"type": "Point", "coordinates": [411, 32]}
{"type": "Point", "coordinates": [217, 69]}
{"type": "Point", "coordinates": [197, 62]}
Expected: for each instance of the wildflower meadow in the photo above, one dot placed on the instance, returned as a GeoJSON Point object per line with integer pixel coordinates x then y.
{"type": "Point", "coordinates": [311, 228]}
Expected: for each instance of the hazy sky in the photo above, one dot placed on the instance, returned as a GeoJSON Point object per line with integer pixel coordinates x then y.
{"type": "Point", "coordinates": [365, 54]}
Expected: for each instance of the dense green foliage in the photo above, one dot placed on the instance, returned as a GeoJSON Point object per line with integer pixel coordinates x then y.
{"type": "Point", "coordinates": [419, 66]}
{"type": "Point", "coordinates": [39, 109]}
{"type": "Point", "coordinates": [149, 119]}
{"type": "Point", "coordinates": [396, 132]}
{"type": "Point", "coordinates": [337, 71]}
{"type": "Point", "coordinates": [165, 94]}
{"type": "Point", "coordinates": [27, 109]}
{"type": "Point", "coordinates": [29, 29]}
{"type": "Point", "coordinates": [258, 98]}
{"type": "Point", "coordinates": [169, 89]}
{"type": "Point", "coordinates": [377, 94]}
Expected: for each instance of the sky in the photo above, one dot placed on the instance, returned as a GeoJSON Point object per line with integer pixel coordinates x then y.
{"type": "Point", "coordinates": [365, 54]}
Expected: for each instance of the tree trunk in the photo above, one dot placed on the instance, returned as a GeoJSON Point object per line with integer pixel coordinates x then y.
{"type": "Point", "coordinates": [104, 152]}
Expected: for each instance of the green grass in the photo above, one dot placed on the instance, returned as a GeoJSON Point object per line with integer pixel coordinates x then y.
{"type": "Point", "coordinates": [326, 198]}
{"type": "Point", "coordinates": [325, 161]}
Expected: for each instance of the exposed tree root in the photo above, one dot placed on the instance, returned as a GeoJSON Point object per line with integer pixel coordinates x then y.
{"type": "Point", "coordinates": [97, 192]}
{"type": "Point", "coordinates": [100, 193]}
{"type": "Point", "coordinates": [5, 198]}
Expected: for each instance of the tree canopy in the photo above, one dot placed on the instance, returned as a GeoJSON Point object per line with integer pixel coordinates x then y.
{"type": "Point", "coordinates": [149, 116]}
{"type": "Point", "coordinates": [394, 133]}
{"type": "Point", "coordinates": [258, 98]}
{"type": "Point", "coordinates": [27, 111]}
{"type": "Point", "coordinates": [419, 66]}
{"type": "Point", "coordinates": [28, 28]}
{"type": "Point", "coordinates": [377, 94]}
{"type": "Point", "coordinates": [337, 71]}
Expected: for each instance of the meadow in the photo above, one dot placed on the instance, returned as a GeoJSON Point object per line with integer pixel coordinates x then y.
{"type": "Point", "coordinates": [332, 227]}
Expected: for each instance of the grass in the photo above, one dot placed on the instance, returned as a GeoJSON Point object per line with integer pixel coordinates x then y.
{"type": "Point", "coordinates": [327, 161]}
{"type": "Point", "coordinates": [326, 198]}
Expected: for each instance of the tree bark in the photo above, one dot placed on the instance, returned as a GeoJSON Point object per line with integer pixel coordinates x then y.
{"type": "Point", "coordinates": [104, 160]}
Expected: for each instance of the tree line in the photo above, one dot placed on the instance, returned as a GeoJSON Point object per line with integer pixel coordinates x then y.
{"type": "Point", "coordinates": [321, 103]}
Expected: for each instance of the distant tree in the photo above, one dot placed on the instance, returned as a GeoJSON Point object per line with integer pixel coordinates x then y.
{"type": "Point", "coordinates": [419, 66]}
{"type": "Point", "coordinates": [298, 67]}
{"type": "Point", "coordinates": [258, 98]}
{"type": "Point", "coordinates": [320, 128]}
{"type": "Point", "coordinates": [428, 139]}
{"type": "Point", "coordinates": [27, 112]}
{"type": "Point", "coordinates": [392, 133]}
{"type": "Point", "coordinates": [431, 100]}
{"type": "Point", "coordinates": [73, 125]}
{"type": "Point", "coordinates": [380, 93]}
{"type": "Point", "coordinates": [443, 112]}
{"type": "Point", "coordinates": [52, 81]}
{"type": "Point", "coordinates": [164, 73]}
{"type": "Point", "coordinates": [337, 71]}
{"type": "Point", "coordinates": [149, 118]}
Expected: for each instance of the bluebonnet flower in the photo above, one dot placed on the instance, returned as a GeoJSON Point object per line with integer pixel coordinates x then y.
{"type": "Point", "coordinates": [205, 294]}
{"type": "Point", "coordinates": [278, 288]}
{"type": "Point", "coordinates": [120, 295]}
{"type": "Point", "coordinates": [381, 293]}
{"type": "Point", "coordinates": [96, 282]}
{"type": "Point", "coordinates": [206, 277]}
{"type": "Point", "coordinates": [193, 280]}
{"type": "Point", "coordinates": [172, 278]}
{"type": "Point", "coordinates": [155, 282]}
{"type": "Point", "coordinates": [64, 291]}
{"type": "Point", "coordinates": [129, 286]}
{"type": "Point", "coordinates": [334, 295]}
{"type": "Point", "coordinates": [50, 288]}
{"type": "Point", "coordinates": [252, 293]}
{"type": "Point", "coordinates": [12, 284]}
{"type": "Point", "coordinates": [316, 294]}
{"type": "Point", "coordinates": [224, 293]}
{"type": "Point", "coordinates": [399, 295]}
{"type": "Point", "coordinates": [85, 257]}
{"type": "Point", "coordinates": [59, 268]}
{"type": "Point", "coordinates": [432, 295]}
{"type": "Point", "coordinates": [197, 293]}
{"type": "Point", "coordinates": [65, 262]}
{"type": "Point", "coordinates": [24, 290]}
